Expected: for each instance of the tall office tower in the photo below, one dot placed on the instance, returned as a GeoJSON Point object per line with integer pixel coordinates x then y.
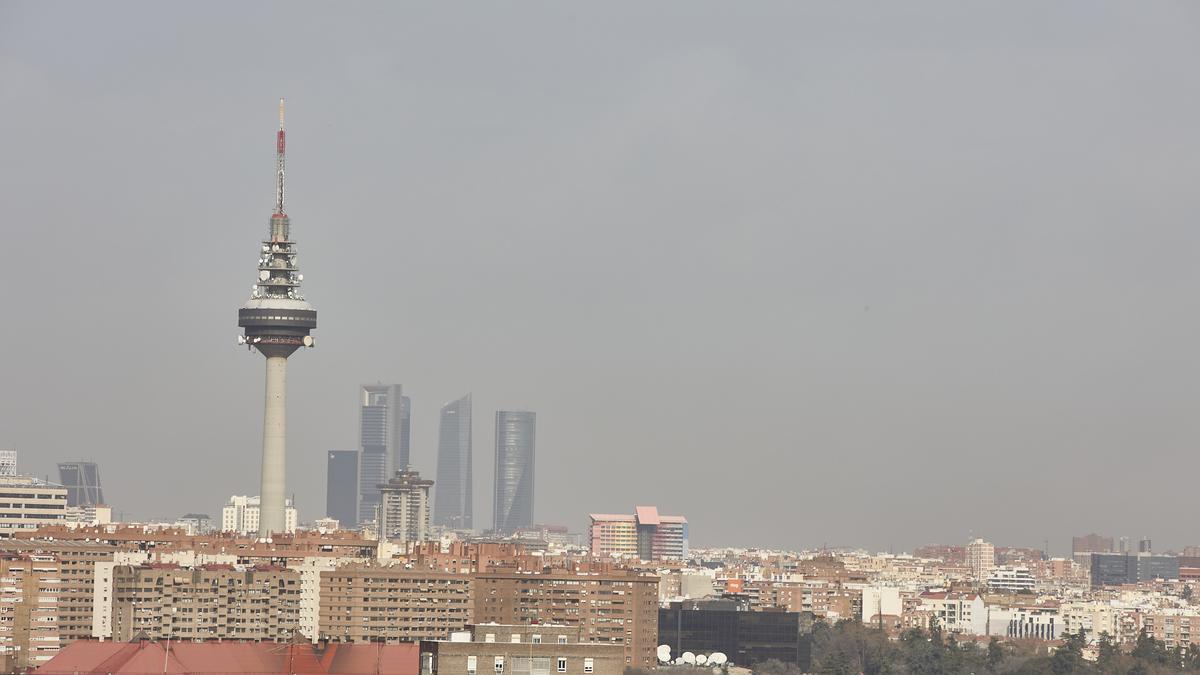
{"type": "Point", "coordinates": [341, 487]}
{"type": "Point", "coordinates": [452, 500]}
{"type": "Point", "coordinates": [404, 511]}
{"type": "Point", "coordinates": [515, 441]}
{"type": "Point", "coordinates": [277, 322]}
{"type": "Point", "coordinates": [82, 480]}
{"type": "Point", "coordinates": [383, 439]}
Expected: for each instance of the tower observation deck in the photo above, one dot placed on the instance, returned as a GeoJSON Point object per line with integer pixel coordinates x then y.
{"type": "Point", "coordinates": [276, 321]}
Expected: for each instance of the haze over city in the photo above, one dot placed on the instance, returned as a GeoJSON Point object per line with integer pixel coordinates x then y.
{"type": "Point", "coordinates": [806, 274]}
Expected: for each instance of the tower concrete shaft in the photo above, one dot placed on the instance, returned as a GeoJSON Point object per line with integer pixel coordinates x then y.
{"type": "Point", "coordinates": [274, 456]}
{"type": "Point", "coordinates": [277, 321]}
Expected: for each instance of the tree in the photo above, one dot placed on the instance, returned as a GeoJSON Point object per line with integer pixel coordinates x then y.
{"type": "Point", "coordinates": [1069, 657]}
{"type": "Point", "coordinates": [995, 653]}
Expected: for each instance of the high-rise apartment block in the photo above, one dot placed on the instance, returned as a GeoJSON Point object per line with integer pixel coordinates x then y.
{"type": "Point", "coordinates": [452, 498]}
{"type": "Point", "coordinates": [383, 439]}
{"type": "Point", "coordinates": [241, 515]}
{"type": "Point", "coordinates": [369, 603]}
{"type": "Point", "coordinates": [644, 534]}
{"type": "Point", "coordinates": [981, 558]}
{"type": "Point", "coordinates": [29, 623]}
{"type": "Point", "coordinates": [216, 602]}
{"type": "Point", "coordinates": [82, 480]}
{"type": "Point", "coordinates": [29, 503]}
{"type": "Point", "coordinates": [404, 511]}
{"type": "Point", "coordinates": [341, 487]}
{"type": "Point", "coordinates": [514, 485]}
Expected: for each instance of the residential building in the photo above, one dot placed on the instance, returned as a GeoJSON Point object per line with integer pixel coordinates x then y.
{"type": "Point", "coordinates": [27, 503]}
{"type": "Point", "coordinates": [1177, 628]}
{"type": "Point", "coordinates": [514, 485]}
{"type": "Point", "coordinates": [29, 629]}
{"type": "Point", "coordinates": [372, 603]}
{"type": "Point", "coordinates": [618, 607]}
{"type": "Point", "coordinates": [82, 480]}
{"type": "Point", "coordinates": [1011, 579]}
{"type": "Point", "coordinates": [217, 602]}
{"type": "Point", "coordinates": [341, 487]}
{"type": "Point", "coordinates": [956, 612]}
{"type": "Point", "coordinates": [404, 512]}
{"type": "Point", "coordinates": [981, 558]}
{"type": "Point", "coordinates": [242, 512]}
{"type": "Point", "coordinates": [644, 534]}
{"type": "Point", "coordinates": [452, 506]}
{"type": "Point", "coordinates": [543, 648]}
{"type": "Point", "coordinates": [384, 423]}
{"type": "Point", "coordinates": [76, 562]}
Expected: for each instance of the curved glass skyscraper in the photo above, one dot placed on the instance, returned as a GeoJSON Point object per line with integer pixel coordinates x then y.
{"type": "Point", "coordinates": [452, 490]}
{"type": "Point", "coordinates": [515, 440]}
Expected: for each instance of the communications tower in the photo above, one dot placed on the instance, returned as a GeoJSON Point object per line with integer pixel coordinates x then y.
{"type": "Point", "coordinates": [276, 321]}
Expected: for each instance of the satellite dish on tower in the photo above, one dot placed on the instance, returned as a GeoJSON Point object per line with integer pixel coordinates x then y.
{"type": "Point", "coordinates": [264, 275]}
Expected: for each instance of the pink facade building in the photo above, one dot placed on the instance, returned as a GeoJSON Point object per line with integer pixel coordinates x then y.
{"type": "Point", "coordinates": [645, 534]}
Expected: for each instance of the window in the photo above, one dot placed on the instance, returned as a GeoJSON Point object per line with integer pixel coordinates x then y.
{"type": "Point", "coordinates": [514, 638]}
{"type": "Point", "coordinates": [536, 639]}
{"type": "Point", "coordinates": [587, 665]}
{"type": "Point", "coordinates": [472, 665]}
{"type": "Point", "coordinates": [489, 637]}
{"type": "Point", "coordinates": [562, 639]}
{"type": "Point", "coordinates": [562, 664]}
{"type": "Point", "coordinates": [499, 664]}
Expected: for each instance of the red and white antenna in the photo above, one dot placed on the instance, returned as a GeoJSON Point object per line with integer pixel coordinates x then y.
{"type": "Point", "coordinates": [280, 146]}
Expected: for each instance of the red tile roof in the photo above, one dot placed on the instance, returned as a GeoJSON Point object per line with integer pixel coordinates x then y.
{"type": "Point", "coordinates": [90, 656]}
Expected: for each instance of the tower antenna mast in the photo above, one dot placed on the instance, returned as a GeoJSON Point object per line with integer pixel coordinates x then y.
{"type": "Point", "coordinates": [280, 149]}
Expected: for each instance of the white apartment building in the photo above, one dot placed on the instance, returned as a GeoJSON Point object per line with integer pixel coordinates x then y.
{"type": "Point", "coordinates": [241, 515]}
{"type": "Point", "coordinates": [957, 612]}
{"type": "Point", "coordinates": [981, 558]}
{"type": "Point", "coordinates": [27, 503]}
{"type": "Point", "coordinates": [1011, 579]}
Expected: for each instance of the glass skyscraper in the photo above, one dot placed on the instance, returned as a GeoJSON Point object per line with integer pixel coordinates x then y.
{"type": "Point", "coordinates": [341, 487]}
{"type": "Point", "coordinates": [383, 433]}
{"type": "Point", "coordinates": [515, 442]}
{"type": "Point", "coordinates": [452, 490]}
{"type": "Point", "coordinates": [82, 480]}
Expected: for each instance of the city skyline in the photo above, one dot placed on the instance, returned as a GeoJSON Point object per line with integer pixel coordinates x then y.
{"type": "Point", "coordinates": [816, 255]}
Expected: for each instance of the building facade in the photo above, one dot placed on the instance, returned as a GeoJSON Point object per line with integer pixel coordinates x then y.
{"type": "Point", "coordinates": [745, 638]}
{"type": "Point", "coordinates": [27, 503]}
{"type": "Point", "coordinates": [372, 603]}
{"type": "Point", "coordinates": [341, 487]}
{"type": "Point", "coordinates": [531, 650]}
{"type": "Point", "coordinates": [452, 499]}
{"type": "Point", "coordinates": [29, 627]}
{"type": "Point", "coordinates": [619, 607]}
{"type": "Point", "coordinates": [215, 602]}
{"type": "Point", "coordinates": [981, 558]}
{"type": "Point", "coordinates": [241, 515]}
{"type": "Point", "coordinates": [644, 534]}
{"type": "Point", "coordinates": [1115, 569]}
{"type": "Point", "coordinates": [514, 484]}
{"type": "Point", "coordinates": [82, 480]}
{"type": "Point", "coordinates": [384, 424]}
{"type": "Point", "coordinates": [404, 511]}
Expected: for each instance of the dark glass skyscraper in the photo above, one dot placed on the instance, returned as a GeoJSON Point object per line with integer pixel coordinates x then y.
{"type": "Point", "coordinates": [452, 490]}
{"type": "Point", "coordinates": [82, 480]}
{"type": "Point", "coordinates": [383, 431]}
{"type": "Point", "coordinates": [515, 441]}
{"type": "Point", "coordinates": [341, 487]}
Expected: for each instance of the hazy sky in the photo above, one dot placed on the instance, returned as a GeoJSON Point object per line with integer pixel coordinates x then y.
{"type": "Point", "coordinates": [876, 274]}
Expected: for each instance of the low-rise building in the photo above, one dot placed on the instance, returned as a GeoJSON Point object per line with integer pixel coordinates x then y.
{"type": "Point", "coordinates": [544, 648]}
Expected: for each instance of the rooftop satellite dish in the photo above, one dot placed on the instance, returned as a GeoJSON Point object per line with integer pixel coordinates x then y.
{"type": "Point", "coordinates": [689, 658]}
{"type": "Point", "coordinates": [308, 341]}
{"type": "Point", "coordinates": [718, 658]}
{"type": "Point", "coordinates": [701, 659]}
{"type": "Point", "coordinates": [664, 653]}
